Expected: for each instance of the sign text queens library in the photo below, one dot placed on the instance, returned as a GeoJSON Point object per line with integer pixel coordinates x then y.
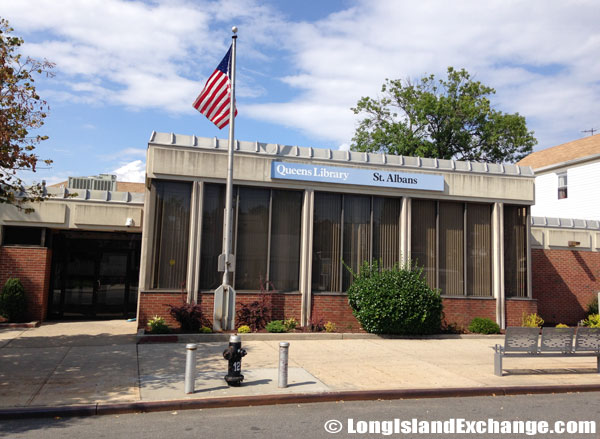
{"type": "Point", "coordinates": [357, 176]}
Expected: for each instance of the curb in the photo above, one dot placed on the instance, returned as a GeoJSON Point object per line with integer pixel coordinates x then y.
{"type": "Point", "coordinates": [33, 324]}
{"type": "Point", "coordinates": [246, 401]}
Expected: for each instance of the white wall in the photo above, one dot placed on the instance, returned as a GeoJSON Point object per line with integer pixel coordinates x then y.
{"type": "Point", "coordinates": [583, 189]}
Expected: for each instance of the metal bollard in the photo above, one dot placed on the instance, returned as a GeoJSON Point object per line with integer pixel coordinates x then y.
{"type": "Point", "coordinates": [190, 367]}
{"type": "Point", "coordinates": [284, 347]}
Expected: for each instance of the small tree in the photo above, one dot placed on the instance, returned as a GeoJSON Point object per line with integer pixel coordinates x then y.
{"type": "Point", "coordinates": [22, 110]}
{"type": "Point", "coordinates": [13, 303]}
{"type": "Point", "coordinates": [396, 301]}
{"type": "Point", "coordinates": [445, 119]}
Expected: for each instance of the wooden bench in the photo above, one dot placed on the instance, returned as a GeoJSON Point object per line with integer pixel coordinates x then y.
{"type": "Point", "coordinates": [555, 342]}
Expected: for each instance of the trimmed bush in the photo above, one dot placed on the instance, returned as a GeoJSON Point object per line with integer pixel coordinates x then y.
{"type": "Point", "coordinates": [255, 314]}
{"type": "Point", "coordinates": [330, 327]}
{"type": "Point", "coordinates": [13, 303]}
{"type": "Point", "coordinates": [592, 321]}
{"type": "Point", "coordinates": [275, 326]}
{"type": "Point", "coordinates": [158, 325]}
{"type": "Point", "coordinates": [290, 324]}
{"type": "Point", "coordinates": [562, 325]}
{"type": "Point", "coordinates": [190, 316]}
{"type": "Point", "coordinates": [396, 301]}
{"type": "Point", "coordinates": [531, 321]}
{"type": "Point", "coordinates": [480, 325]}
{"type": "Point", "coordinates": [244, 329]}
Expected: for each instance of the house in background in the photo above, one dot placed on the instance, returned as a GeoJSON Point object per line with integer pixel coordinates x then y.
{"type": "Point", "coordinates": [567, 179]}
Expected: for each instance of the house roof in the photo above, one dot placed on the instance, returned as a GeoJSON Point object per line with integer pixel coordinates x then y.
{"type": "Point", "coordinates": [577, 149]}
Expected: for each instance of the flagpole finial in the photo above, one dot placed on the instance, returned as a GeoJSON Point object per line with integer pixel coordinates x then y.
{"type": "Point", "coordinates": [234, 29]}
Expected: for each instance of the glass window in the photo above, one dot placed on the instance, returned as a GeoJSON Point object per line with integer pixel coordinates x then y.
{"type": "Point", "coordinates": [212, 235]}
{"type": "Point", "coordinates": [479, 250]}
{"type": "Point", "coordinates": [264, 216]}
{"type": "Point", "coordinates": [326, 242]}
{"type": "Point", "coordinates": [423, 238]}
{"type": "Point", "coordinates": [515, 251]}
{"type": "Point", "coordinates": [17, 235]}
{"type": "Point", "coordinates": [562, 186]}
{"type": "Point", "coordinates": [452, 245]}
{"type": "Point", "coordinates": [357, 235]}
{"type": "Point", "coordinates": [171, 233]}
{"type": "Point", "coordinates": [386, 230]}
{"type": "Point", "coordinates": [453, 242]}
{"type": "Point", "coordinates": [252, 238]}
{"type": "Point", "coordinates": [284, 264]}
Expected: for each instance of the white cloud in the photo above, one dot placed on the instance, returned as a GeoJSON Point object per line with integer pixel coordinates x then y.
{"type": "Point", "coordinates": [134, 171]}
{"type": "Point", "coordinates": [132, 53]}
{"type": "Point", "coordinates": [537, 54]}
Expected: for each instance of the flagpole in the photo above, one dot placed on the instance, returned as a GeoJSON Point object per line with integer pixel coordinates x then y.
{"type": "Point", "coordinates": [228, 292]}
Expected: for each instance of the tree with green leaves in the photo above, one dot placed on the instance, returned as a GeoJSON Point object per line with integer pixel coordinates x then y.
{"type": "Point", "coordinates": [446, 119]}
{"type": "Point", "coordinates": [23, 111]}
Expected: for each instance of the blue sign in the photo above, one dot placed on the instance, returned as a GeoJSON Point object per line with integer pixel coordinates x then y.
{"type": "Point", "coordinates": [358, 176]}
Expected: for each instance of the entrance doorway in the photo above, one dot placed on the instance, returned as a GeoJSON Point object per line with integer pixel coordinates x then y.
{"type": "Point", "coordinates": [94, 275]}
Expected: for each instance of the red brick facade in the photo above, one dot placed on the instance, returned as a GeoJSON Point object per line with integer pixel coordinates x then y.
{"type": "Point", "coordinates": [333, 308]}
{"type": "Point", "coordinates": [515, 308]}
{"type": "Point", "coordinates": [459, 311]}
{"type": "Point", "coordinates": [564, 282]}
{"type": "Point", "coordinates": [32, 265]}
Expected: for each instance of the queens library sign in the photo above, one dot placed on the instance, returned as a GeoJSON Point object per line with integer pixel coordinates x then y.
{"type": "Point", "coordinates": [356, 176]}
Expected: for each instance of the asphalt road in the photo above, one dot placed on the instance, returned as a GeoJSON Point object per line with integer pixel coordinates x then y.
{"type": "Point", "coordinates": [310, 420]}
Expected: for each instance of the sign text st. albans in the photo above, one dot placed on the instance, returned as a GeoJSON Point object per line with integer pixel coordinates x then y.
{"type": "Point", "coordinates": [363, 177]}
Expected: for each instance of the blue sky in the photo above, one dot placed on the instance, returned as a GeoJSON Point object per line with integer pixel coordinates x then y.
{"type": "Point", "coordinates": [126, 68]}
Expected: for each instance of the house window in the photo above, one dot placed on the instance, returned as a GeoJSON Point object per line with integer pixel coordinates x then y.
{"type": "Point", "coordinates": [562, 185]}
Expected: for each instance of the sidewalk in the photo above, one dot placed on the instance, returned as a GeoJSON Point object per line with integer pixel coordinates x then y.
{"type": "Point", "coordinates": [83, 363]}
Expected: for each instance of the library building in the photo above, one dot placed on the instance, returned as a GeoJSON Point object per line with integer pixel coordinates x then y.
{"type": "Point", "coordinates": [301, 213]}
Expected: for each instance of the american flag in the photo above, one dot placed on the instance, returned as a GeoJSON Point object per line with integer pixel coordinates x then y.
{"type": "Point", "coordinates": [214, 100]}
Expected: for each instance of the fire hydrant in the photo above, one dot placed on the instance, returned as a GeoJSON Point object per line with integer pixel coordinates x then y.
{"type": "Point", "coordinates": [234, 354]}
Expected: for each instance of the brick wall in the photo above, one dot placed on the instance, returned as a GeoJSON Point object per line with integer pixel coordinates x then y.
{"type": "Point", "coordinates": [564, 282]}
{"type": "Point", "coordinates": [460, 311]}
{"type": "Point", "coordinates": [282, 306]}
{"type": "Point", "coordinates": [515, 309]}
{"type": "Point", "coordinates": [156, 304]}
{"type": "Point", "coordinates": [32, 265]}
{"type": "Point", "coordinates": [334, 308]}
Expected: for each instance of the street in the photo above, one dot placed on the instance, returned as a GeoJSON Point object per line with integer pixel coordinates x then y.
{"type": "Point", "coordinates": [310, 420]}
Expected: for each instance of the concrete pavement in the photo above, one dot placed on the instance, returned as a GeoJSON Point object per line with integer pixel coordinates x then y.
{"type": "Point", "coordinates": [97, 363]}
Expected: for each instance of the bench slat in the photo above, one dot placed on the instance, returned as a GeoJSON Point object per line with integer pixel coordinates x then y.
{"type": "Point", "coordinates": [557, 339]}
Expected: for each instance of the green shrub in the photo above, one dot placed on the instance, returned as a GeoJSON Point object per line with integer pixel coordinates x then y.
{"type": "Point", "coordinates": [190, 316]}
{"type": "Point", "coordinates": [290, 324]}
{"type": "Point", "coordinates": [562, 325]}
{"type": "Point", "coordinates": [592, 307]}
{"type": "Point", "coordinates": [480, 325]}
{"type": "Point", "coordinates": [13, 303]}
{"type": "Point", "coordinates": [244, 329]}
{"type": "Point", "coordinates": [255, 314]}
{"type": "Point", "coordinates": [531, 320]}
{"type": "Point", "coordinates": [275, 326]}
{"type": "Point", "coordinates": [592, 321]}
{"type": "Point", "coordinates": [205, 330]}
{"type": "Point", "coordinates": [396, 301]}
{"type": "Point", "coordinates": [330, 327]}
{"type": "Point", "coordinates": [158, 325]}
